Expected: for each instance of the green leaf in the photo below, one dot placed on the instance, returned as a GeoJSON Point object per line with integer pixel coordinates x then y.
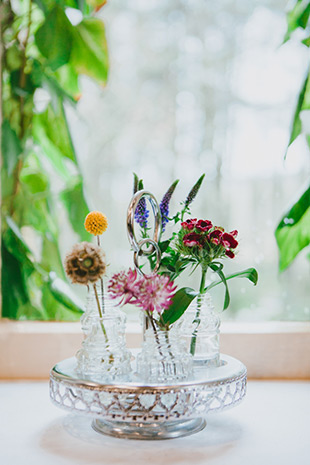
{"type": "Point", "coordinates": [293, 231]}
{"type": "Point", "coordinates": [67, 78]}
{"type": "Point", "coordinates": [51, 259]}
{"type": "Point", "coordinates": [96, 4]}
{"type": "Point", "coordinates": [54, 38]}
{"type": "Point", "coordinates": [306, 42]}
{"type": "Point", "coordinates": [297, 125]}
{"type": "Point", "coordinates": [16, 245]}
{"type": "Point", "coordinates": [46, 5]}
{"type": "Point", "coordinates": [13, 283]}
{"type": "Point", "coordinates": [64, 294]}
{"type": "Point", "coordinates": [34, 208]}
{"type": "Point", "coordinates": [51, 132]}
{"type": "Point", "coordinates": [74, 201]}
{"type": "Point", "coordinates": [89, 50]}
{"type": "Point", "coordinates": [10, 146]}
{"type": "Point", "coordinates": [181, 300]}
{"type": "Point", "coordinates": [217, 268]}
{"type": "Point", "coordinates": [163, 245]}
{"type": "Point", "coordinates": [297, 17]}
{"type": "Point", "coordinates": [250, 273]}
{"type": "Point", "coordinates": [36, 181]}
{"type": "Point", "coordinates": [27, 89]}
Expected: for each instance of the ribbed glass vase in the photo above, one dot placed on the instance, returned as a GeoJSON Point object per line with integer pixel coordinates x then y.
{"type": "Point", "coordinates": [163, 357]}
{"type": "Point", "coordinates": [103, 355]}
{"type": "Point", "coordinates": [200, 328]}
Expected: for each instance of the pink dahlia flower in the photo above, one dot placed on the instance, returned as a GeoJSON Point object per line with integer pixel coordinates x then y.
{"type": "Point", "coordinates": [155, 293]}
{"type": "Point", "coordinates": [122, 285]}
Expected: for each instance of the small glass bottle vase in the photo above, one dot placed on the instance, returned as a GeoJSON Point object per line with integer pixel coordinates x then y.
{"type": "Point", "coordinates": [163, 357]}
{"type": "Point", "coordinates": [200, 327]}
{"type": "Point", "coordinates": [103, 355]}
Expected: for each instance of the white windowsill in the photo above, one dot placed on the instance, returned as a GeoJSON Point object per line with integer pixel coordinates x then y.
{"type": "Point", "coordinates": [271, 350]}
{"type": "Point", "coordinates": [270, 426]}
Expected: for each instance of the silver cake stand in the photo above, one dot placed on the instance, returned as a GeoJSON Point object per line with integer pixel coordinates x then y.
{"type": "Point", "coordinates": [132, 409]}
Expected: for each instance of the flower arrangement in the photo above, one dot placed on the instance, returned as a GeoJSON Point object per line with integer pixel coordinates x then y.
{"type": "Point", "coordinates": [196, 243]}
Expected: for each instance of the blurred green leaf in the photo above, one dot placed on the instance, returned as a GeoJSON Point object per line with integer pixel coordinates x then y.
{"type": "Point", "coordinates": [50, 131]}
{"type": "Point", "coordinates": [297, 17]}
{"type": "Point", "coordinates": [47, 5]}
{"type": "Point", "coordinates": [54, 308]}
{"type": "Point", "coordinates": [181, 300]}
{"type": "Point", "coordinates": [64, 294]}
{"type": "Point", "coordinates": [68, 81]}
{"type": "Point", "coordinates": [13, 284]}
{"type": "Point", "coordinates": [76, 206]}
{"type": "Point", "coordinates": [296, 125]}
{"type": "Point", "coordinates": [96, 4]}
{"type": "Point", "coordinates": [89, 51]}
{"type": "Point", "coordinates": [54, 38]}
{"type": "Point", "coordinates": [306, 42]}
{"type": "Point", "coordinates": [293, 231]}
{"type": "Point", "coordinates": [22, 91]}
{"type": "Point", "coordinates": [51, 258]}
{"type": "Point", "coordinates": [35, 180]}
{"type": "Point", "coordinates": [16, 245]}
{"type": "Point", "coordinates": [35, 208]}
{"type": "Point", "coordinates": [10, 146]}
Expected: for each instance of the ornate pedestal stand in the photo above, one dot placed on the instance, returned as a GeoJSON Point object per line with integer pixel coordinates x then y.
{"type": "Point", "coordinates": [131, 409]}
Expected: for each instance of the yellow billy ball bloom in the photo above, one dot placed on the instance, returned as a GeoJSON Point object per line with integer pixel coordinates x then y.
{"type": "Point", "coordinates": [96, 223]}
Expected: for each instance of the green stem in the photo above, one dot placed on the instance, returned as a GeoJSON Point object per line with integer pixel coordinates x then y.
{"type": "Point", "coordinates": [196, 320]}
{"type": "Point", "coordinates": [155, 333]}
{"type": "Point", "coordinates": [100, 314]}
{"type": "Point", "coordinates": [101, 281]}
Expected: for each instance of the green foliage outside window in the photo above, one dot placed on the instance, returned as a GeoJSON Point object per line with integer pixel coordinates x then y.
{"type": "Point", "coordinates": [293, 231]}
{"type": "Point", "coordinates": [42, 51]}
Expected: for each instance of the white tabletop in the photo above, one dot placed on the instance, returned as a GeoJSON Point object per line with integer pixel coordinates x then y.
{"type": "Point", "coordinates": [271, 426]}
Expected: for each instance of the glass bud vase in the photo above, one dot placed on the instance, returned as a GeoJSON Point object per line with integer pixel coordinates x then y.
{"type": "Point", "coordinates": [163, 357]}
{"type": "Point", "coordinates": [103, 355]}
{"type": "Point", "coordinates": [200, 327]}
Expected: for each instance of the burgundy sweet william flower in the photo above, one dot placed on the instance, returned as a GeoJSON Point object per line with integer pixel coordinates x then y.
{"type": "Point", "coordinates": [229, 253]}
{"type": "Point", "coordinates": [203, 225]}
{"type": "Point", "coordinates": [215, 236]}
{"type": "Point", "coordinates": [229, 241]}
{"type": "Point", "coordinates": [234, 233]}
{"type": "Point", "coordinates": [193, 240]}
{"type": "Point", "coordinates": [189, 224]}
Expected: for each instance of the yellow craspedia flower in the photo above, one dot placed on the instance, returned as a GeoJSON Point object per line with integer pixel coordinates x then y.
{"type": "Point", "coordinates": [96, 223]}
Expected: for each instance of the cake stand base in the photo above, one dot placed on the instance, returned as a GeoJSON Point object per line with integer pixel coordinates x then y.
{"type": "Point", "coordinates": [149, 431]}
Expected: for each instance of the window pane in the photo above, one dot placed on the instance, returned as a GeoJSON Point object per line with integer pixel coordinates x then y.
{"type": "Point", "coordinates": [200, 87]}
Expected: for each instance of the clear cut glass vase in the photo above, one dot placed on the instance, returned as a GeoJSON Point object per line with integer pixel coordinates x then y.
{"type": "Point", "coordinates": [163, 357]}
{"type": "Point", "coordinates": [103, 355]}
{"type": "Point", "coordinates": [200, 328]}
